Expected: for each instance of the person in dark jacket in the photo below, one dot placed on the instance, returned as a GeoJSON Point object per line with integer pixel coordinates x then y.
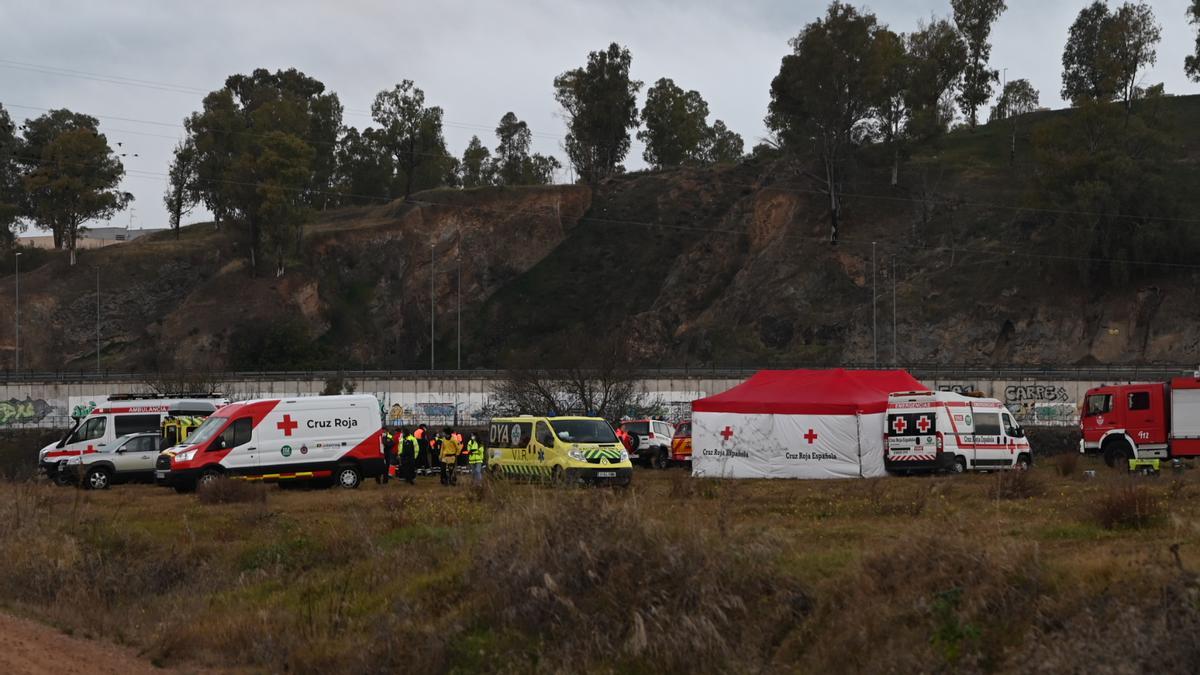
{"type": "Point", "coordinates": [390, 441]}
{"type": "Point", "coordinates": [408, 456]}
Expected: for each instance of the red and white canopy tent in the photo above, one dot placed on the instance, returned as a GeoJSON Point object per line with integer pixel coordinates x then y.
{"type": "Point", "coordinates": [796, 424]}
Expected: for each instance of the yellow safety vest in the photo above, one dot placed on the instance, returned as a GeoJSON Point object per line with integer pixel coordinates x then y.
{"type": "Point", "coordinates": [474, 452]}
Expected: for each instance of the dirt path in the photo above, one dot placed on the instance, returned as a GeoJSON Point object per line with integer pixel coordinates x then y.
{"type": "Point", "coordinates": [29, 648]}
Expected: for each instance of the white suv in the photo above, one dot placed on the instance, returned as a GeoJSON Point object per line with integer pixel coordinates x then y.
{"type": "Point", "coordinates": [650, 441]}
{"type": "Point", "coordinates": [129, 458]}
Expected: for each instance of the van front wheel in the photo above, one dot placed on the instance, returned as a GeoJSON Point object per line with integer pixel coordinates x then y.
{"type": "Point", "coordinates": [1117, 451]}
{"type": "Point", "coordinates": [959, 466]}
{"type": "Point", "coordinates": [348, 476]}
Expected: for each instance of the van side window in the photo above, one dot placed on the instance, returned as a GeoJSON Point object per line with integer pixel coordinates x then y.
{"type": "Point", "coordinates": [90, 431]}
{"type": "Point", "coordinates": [1098, 404]}
{"type": "Point", "coordinates": [132, 424]}
{"type": "Point", "coordinates": [238, 433]}
{"type": "Point", "coordinates": [987, 424]}
{"type": "Point", "coordinates": [1010, 426]}
{"type": "Point", "coordinates": [1139, 400]}
{"type": "Point", "coordinates": [543, 435]}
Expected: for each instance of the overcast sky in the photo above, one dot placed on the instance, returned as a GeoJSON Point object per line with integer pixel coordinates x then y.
{"type": "Point", "coordinates": [475, 59]}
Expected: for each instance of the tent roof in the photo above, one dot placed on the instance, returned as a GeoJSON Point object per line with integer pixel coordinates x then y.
{"type": "Point", "coordinates": [811, 392]}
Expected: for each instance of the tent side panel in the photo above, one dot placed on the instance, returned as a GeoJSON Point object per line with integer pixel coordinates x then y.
{"type": "Point", "coordinates": [734, 445]}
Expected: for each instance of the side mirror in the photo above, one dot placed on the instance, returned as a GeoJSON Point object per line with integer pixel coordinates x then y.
{"type": "Point", "coordinates": [218, 444]}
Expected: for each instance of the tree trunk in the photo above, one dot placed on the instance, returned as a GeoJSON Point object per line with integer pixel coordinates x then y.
{"type": "Point", "coordinates": [895, 164]}
{"type": "Point", "coordinates": [834, 206]}
{"type": "Point", "coordinates": [253, 247]}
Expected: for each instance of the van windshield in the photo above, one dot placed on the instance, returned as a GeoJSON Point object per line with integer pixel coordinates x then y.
{"type": "Point", "coordinates": [584, 431]}
{"type": "Point", "coordinates": [206, 431]}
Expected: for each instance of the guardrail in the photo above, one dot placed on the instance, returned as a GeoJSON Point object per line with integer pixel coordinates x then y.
{"type": "Point", "coordinates": [1113, 373]}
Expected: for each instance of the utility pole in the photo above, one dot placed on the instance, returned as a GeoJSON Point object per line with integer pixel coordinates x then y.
{"type": "Point", "coordinates": [458, 273]}
{"type": "Point", "coordinates": [874, 307]}
{"type": "Point", "coordinates": [97, 321]}
{"type": "Point", "coordinates": [895, 352]}
{"type": "Point", "coordinates": [17, 357]}
{"type": "Point", "coordinates": [431, 305]}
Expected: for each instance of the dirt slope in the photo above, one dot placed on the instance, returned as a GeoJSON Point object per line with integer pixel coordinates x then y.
{"type": "Point", "coordinates": [28, 648]}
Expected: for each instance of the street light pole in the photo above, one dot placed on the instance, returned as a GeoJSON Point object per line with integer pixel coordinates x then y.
{"type": "Point", "coordinates": [17, 351]}
{"type": "Point", "coordinates": [431, 305]}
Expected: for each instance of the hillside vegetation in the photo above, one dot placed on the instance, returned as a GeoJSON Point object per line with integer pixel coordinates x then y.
{"type": "Point", "coordinates": [722, 265]}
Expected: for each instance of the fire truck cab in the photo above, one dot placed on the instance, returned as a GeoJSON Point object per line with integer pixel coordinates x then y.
{"type": "Point", "coordinates": [1142, 421]}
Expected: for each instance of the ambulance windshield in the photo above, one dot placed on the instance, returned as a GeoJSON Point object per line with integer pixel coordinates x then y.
{"type": "Point", "coordinates": [206, 431]}
{"type": "Point", "coordinates": [584, 431]}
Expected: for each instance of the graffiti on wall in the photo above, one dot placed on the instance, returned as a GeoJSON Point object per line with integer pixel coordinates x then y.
{"type": "Point", "coordinates": [959, 387]}
{"type": "Point", "coordinates": [28, 411]}
{"type": "Point", "coordinates": [1032, 393]}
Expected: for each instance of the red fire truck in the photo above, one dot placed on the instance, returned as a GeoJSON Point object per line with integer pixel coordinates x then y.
{"type": "Point", "coordinates": [1142, 421]}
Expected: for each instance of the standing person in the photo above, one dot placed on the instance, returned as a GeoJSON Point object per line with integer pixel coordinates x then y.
{"type": "Point", "coordinates": [389, 455]}
{"type": "Point", "coordinates": [424, 444]}
{"type": "Point", "coordinates": [449, 457]}
{"type": "Point", "coordinates": [475, 458]}
{"type": "Point", "coordinates": [408, 456]}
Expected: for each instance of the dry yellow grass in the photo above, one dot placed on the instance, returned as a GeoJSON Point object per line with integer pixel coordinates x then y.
{"type": "Point", "coordinates": [673, 575]}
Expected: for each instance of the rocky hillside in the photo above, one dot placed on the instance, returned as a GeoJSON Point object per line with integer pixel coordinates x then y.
{"type": "Point", "coordinates": [725, 266]}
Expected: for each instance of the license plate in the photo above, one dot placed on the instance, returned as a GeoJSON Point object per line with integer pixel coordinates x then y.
{"type": "Point", "coordinates": [160, 474]}
{"type": "Point", "coordinates": [606, 474]}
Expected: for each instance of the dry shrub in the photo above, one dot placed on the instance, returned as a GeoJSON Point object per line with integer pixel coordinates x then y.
{"type": "Point", "coordinates": [231, 491]}
{"type": "Point", "coordinates": [398, 510]}
{"type": "Point", "coordinates": [1127, 505]}
{"type": "Point", "coordinates": [1015, 484]}
{"type": "Point", "coordinates": [601, 586]}
{"type": "Point", "coordinates": [1143, 627]}
{"type": "Point", "coordinates": [1066, 463]}
{"type": "Point", "coordinates": [912, 505]}
{"type": "Point", "coordinates": [934, 603]}
{"type": "Point", "coordinates": [686, 486]}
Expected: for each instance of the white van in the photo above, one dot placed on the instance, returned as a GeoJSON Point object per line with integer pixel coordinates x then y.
{"type": "Point", "coordinates": [946, 431]}
{"type": "Point", "coordinates": [120, 415]}
{"type": "Point", "coordinates": [326, 438]}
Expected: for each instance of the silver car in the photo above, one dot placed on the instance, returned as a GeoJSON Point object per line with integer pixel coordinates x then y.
{"type": "Point", "coordinates": [129, 458]}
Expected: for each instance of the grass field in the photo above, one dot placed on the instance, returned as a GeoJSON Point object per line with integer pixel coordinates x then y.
{"type": "Point", "coordinates": [979, 573]}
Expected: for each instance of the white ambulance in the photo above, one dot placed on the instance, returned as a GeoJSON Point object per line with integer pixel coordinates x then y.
{"type": "Point", "coordinates": [332, 439]}
{"type": "Point", "coordinates": [946, 431]}
{"type": "Point", "coordinates": [119, 415]}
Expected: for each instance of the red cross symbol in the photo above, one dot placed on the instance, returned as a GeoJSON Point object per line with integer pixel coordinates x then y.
{"type": "Point", "coordinates": [810, 436]}
{"type": "Point", "coordinates": [90, 449]}
{"type": "Point", "coordinates": [727, 433]}
{"type": "Point", "coordinates": [923, 424]}
{"type": "Point", "coordinates": [287, 425]}
{"type": "Point", "coordinates": [899, 425]}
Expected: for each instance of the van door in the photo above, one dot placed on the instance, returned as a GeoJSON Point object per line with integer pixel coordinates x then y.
{"type": "Point", "coordinates": [243, 456]}
{"type": "Point", "coordinates": [86, 439]}
{"type": "Point", "coordinates": [990, 450]}
{"type": "Point", "coordinates": [543, 448]}
{"type": "Point", "coordinates": [1014, 437]}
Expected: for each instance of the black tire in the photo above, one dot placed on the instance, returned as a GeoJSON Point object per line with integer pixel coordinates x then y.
{"type": "Point", "coordinates": [1024, 462]}
{"type": "Point", "coordinates": [634, 442]}
{"type": "Point", "coordinates": [959, 466]}
{"type": "Point", "coordinates": [207, 476]}
{"type": "Point", "coordinates": [1117, 451]}
{"type": "Point", "coordinates": [659, 459]}
{"type": "Point", "coordinates": [98, 478]}
{"type": "Point", "coordinates": [348, 477]}
{"type": "Point", "coordinates": [60, 479]}
{"type": "Point", "coordinates": [558, 476]}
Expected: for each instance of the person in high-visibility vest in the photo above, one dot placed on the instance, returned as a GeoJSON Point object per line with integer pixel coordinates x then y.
{"type": "Point", "coordinates": [449, 450]}
{"type": "Point", "coordinates": [408, 456]}
{"type": "Point", "coordinates": [475, 458]}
